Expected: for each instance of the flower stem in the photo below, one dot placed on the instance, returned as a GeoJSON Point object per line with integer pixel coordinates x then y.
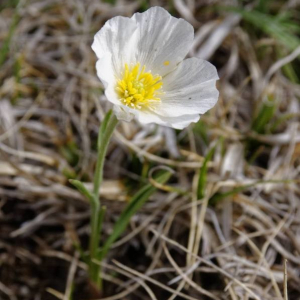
{"type": "Point", "coordinates": [106, 129]}
{"type": "Point", "coordinates": [97, 212]}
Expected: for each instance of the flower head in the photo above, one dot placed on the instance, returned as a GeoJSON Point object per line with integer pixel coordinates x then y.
{"type": "Point", "coordinates": [141, 64]}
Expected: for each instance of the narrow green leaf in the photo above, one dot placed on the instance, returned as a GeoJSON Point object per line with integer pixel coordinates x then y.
{"type": "Point", "coordinates": [201, 129]}
{"type": "Point", "coordinates": [83, 255]}
{"type": "Point", "coordinates": [8, 4]}
{"type": "Point", "coordinates": [103, 127]}
{"type": "Point", "coordinates": [82, 189]}
{"type": "Point", "coordinates": [271, 25]}
{"type": "Point", "coordinates": [264, 116]}
{"type": "Point", "coordinates": [6, 43]}
{"type": "Point", "coordinates": [288, 69]}
{"type": "Point", "coordinates": [220, 196]}
{"type": "Point", "coordinates": [203, 174]}
{"type": "Point", "coordinates": [281, 120]}
{"type": "Point", "coordinates": [110, 1]}
{"type": "Point", "coordinates": [263, 6]}
{"type": "Point", "coordinates": [105, 132]}
{"type": "Point", "coordinates": [135, 204]}
{"type": "Point", "coordinates": [72, 291]}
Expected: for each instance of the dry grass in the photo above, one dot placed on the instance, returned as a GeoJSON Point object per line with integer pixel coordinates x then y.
{"type": "Point", "coordinates": [232, 244]}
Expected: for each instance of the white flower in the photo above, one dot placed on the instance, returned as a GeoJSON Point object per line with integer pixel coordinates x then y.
{"type": "Point", "coordinates": [141, 64]}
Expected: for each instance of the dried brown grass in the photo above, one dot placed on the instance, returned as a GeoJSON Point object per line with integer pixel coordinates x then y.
{"type": "Point", "coordinates": [244, 247]}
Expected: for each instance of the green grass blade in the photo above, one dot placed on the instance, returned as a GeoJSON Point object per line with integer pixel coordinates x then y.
{"type": "Point", "coordinates": [83, 255]}
{"type": "Point", "coordinates": [203, 174]}
{"type": "Point", "coordinates": [6, 44]}
{"type": "Point", "coordinates": [103, 127]}
{"type": "Point", "coordinates": [200, 128]}
{"type": "Point", "coordinates": [220, 196]}
{"type": "Point", "coordinates": [105, 132]}
{"type": "Point", "coordinates": [282, 119]}
{"type": "Point", "coordinates": [272, 25]}
{"type": "Point", "coordinates": [263, 5]}
{"type": "Point", "coordinates": [265, 115]}
{"type": "Point", "coordinates": [135, 204]}
{"type": "Point", "coordinates": [82, 189]}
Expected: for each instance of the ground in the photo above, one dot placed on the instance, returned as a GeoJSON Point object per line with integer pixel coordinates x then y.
{"type": "Point", "coordinates": [225, 226]}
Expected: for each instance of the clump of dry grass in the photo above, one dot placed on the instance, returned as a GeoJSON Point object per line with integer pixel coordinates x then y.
{"type": "Point", "coordinates": [234, 243]}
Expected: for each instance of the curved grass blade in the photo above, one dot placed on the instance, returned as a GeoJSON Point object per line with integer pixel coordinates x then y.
{"type": "Point", "coordinates": [135, 204]}
{"type": "Point", "coordinates": [203, 174]}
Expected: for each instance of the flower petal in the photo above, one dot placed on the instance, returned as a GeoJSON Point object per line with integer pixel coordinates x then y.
{"type": "Point", "coordinates": [163, 41]}
{"type": "Point", "coordinates": [105, 72]}
{"type": "Point", "coordinates": [146, 117]}
{"type": "Point", "coordinates": [160, 42]}
{"type": "Point", "coordinates": [117, 37]}
{"type": "Point", "coordinates": [190, 89]}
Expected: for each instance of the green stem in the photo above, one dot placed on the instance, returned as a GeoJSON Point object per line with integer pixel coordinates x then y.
{"type": "Point", "coordinates": [109, 123]}
{"type": "Point", "coordinates": [106, 130]}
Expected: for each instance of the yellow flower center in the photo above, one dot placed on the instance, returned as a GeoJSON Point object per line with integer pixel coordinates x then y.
{"type": "Point", "coordinates": [139, 89]}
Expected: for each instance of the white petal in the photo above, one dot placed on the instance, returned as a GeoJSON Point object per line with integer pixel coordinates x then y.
{"type": "Point", "coordinates": [190, 89]}
{"type": "Point", "coordinates": [146, 117]}
{"type": "Point", "coordinates": [162, 39]}
{"type": "Point", "coordinates": [160, 42]}
{"type": "Point", "coordinates": [117, 37]}
{"type": "Point", "coordinates": [105, 72]}
{"type": "Point", "coordinates": [105, 69]}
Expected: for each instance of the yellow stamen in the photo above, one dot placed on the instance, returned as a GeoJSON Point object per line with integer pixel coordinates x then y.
{"type": "Point", "coordinates": [139, 89]}
{"type": "Point", "coordinates": [166, 63]}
